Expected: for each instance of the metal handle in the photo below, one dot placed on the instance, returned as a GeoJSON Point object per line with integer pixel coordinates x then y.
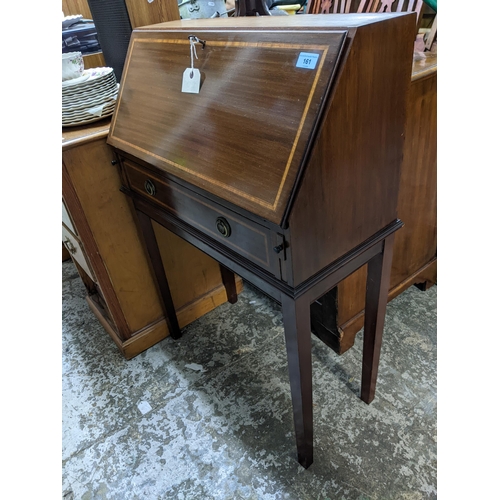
{"type": "Point", "coordinates": [69, 245]}
{"type": "Point", "coordinates": [223, 227]}
{"type": "Point", "coordinates": [150, 187]}
{"type": "Point", "coordinates": [279, 248]}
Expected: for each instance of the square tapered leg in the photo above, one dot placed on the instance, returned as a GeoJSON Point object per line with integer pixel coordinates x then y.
{"type": "Point", "coordinates": [297, 323]}
{"type": "Point", "coordinates": [377, 291]}
{"type": "Point", "coordinates": [159, 271]}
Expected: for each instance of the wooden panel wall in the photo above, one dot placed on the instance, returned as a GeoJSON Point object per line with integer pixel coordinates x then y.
{"type": "Point", "coordinates": [141, 12]}
{"type": "Point", "coordinates": [75, 7]}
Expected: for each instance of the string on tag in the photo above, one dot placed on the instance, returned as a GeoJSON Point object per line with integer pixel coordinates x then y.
{"type": "Point", "coordinates": [192, 42]}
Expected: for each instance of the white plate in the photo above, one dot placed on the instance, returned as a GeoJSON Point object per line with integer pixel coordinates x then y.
{"type": "Point", "coordinates": [84, 111]}
{"type": "Point", "coordinates": [75, 81]}
{"type": "Point", "coordinates": [89, 101]}
{"type": "Point", "coordinates": [105, 106]}
{"type": "Point", "coordinates": [92, 77]}
{"type": "Point", "coordinates": [99, 72]}
{"type": "Point", "coordinates": [86, 92]}
{"type": "Point", "coordinates": [87, 120]}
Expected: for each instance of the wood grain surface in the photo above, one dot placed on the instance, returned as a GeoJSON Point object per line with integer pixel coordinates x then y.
{"type": "Point", "coordinates": [415, 245]}
{"type": "Point", "coordinates": [102, 202]}
{"type": "Point", "coordinates": [125, 298]}
{"type": "Point", "coordinates": [350, 187]}
{"type": "Point", "coordinates": [251, 240]}
{"type": "Point", "coordinates": [75, 7]}
{"type": "Point", "coordinates": [223, 139]}
{"type": "Point", "coordinates": [145, 13]}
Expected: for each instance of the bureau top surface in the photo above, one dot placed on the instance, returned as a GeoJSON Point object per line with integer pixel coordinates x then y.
{"type": "Point", "coordinates": [244, 136]}
{"type": "Point", "coordinates": [271, 22]}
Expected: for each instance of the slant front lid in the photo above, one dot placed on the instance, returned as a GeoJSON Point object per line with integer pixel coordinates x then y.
{"type": "Point", "coordinates": [244, 135]}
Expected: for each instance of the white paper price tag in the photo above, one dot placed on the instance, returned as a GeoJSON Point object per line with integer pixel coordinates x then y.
{"type": "Point", "coordinates": [191, 81]}
{"type": "Point", "coordinates": [307, 60]}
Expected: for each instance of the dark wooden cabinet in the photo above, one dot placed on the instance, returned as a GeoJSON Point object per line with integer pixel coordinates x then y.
{"type": "Point", "coordinates": [284, 167]}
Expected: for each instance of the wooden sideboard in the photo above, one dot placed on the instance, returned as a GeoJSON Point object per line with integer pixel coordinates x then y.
{"type": "Point", "coordinates": [101, 236]}
{"type": "Point", "coordinates": [415, 245]}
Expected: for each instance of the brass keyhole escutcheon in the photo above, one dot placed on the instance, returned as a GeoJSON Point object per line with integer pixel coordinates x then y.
{"type": "Point", "coordinates": [150, 187]}
{"type": "Point", "coordinates": [223, 227]}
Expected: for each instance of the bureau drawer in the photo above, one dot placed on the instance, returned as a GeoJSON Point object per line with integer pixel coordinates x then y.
{"type": "Point", "coordinates": [245, 237]}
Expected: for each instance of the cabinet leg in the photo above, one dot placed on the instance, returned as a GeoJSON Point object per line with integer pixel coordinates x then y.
{"type": "Point", "coordinates": [159, 271]}
{"type": "Point", "coordinates": [425, 285]}
{"type": "Point", "coordinates": [377, 291]}
{"type": "Point", "coordinates": [297, 323]}
{"type": "Point", "coordinates": [229, 282]}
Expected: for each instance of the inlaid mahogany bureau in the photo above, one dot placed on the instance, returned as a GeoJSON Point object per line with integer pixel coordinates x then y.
{"type": "Point", "coordinates": [282, 162]}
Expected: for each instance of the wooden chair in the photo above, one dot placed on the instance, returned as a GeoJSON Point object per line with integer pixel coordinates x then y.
{"type": "Point", "coordinates": [340, 6]}
{"type": "Point", "coordinates": [328, 6]}
{"type": "Point", "coordinates": [365, 6]}
{"type": "Point", "coordinates": [431, 36]}
{"type": "Point", "coordinates": [395, 6]}
{"type": "Point", "coordinates": [392, 6]}
{"type": "Point", "coordinates": [262, 7]}
{"type": "Point", "coordinates": [368, 6]}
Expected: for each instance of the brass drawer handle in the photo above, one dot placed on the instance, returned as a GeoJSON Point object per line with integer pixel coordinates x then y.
{"type": "Point", "coordinates": [150, 187]}
{"type": "Point", "coordinates": [223, 227]}
{"type": "Point", "coordinates": [69, 245]}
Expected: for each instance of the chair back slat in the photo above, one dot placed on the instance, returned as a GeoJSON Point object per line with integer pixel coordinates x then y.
{"type": "Point", "coordinates": [386, 6]}
{"type": "Point", "coordinates": [326, 5]}
{"type": "Point", "coordinates": [329, 6]}
{"type": "Point", "coordinates": [368, 6]}
{"type": "Point", "coordinates": [344, 6]}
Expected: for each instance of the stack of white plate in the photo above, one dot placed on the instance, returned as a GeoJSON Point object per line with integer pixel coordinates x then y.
{"type": "Point", "coordinates": [90, 97]}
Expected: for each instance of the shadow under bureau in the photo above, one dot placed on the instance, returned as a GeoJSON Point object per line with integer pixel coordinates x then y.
{"type": "Point", "coordinates": [282, 164]}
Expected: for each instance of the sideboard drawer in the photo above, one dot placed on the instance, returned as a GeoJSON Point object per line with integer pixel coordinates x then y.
{"type": "Point", "coordinates": [76, 251]}
{"type": "Point", "coordinates": [249, 239]}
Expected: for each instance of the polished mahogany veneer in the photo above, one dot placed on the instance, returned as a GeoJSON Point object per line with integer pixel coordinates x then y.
{"type": "Point", "coordinates": [284, 167]}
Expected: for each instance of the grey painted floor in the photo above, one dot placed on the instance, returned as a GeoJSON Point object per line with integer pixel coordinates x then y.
{"type": "Point", "coordinates": [209, 416]}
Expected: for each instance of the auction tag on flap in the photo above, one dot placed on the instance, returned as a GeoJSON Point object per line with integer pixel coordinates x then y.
{"type": "Point", "coordinates": [191, 81]}
{"type": "Point", "coordinates": [307, 60]}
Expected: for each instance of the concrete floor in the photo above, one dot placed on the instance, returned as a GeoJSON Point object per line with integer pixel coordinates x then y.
{"type": "Point", "coordinates": [209, 416]}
